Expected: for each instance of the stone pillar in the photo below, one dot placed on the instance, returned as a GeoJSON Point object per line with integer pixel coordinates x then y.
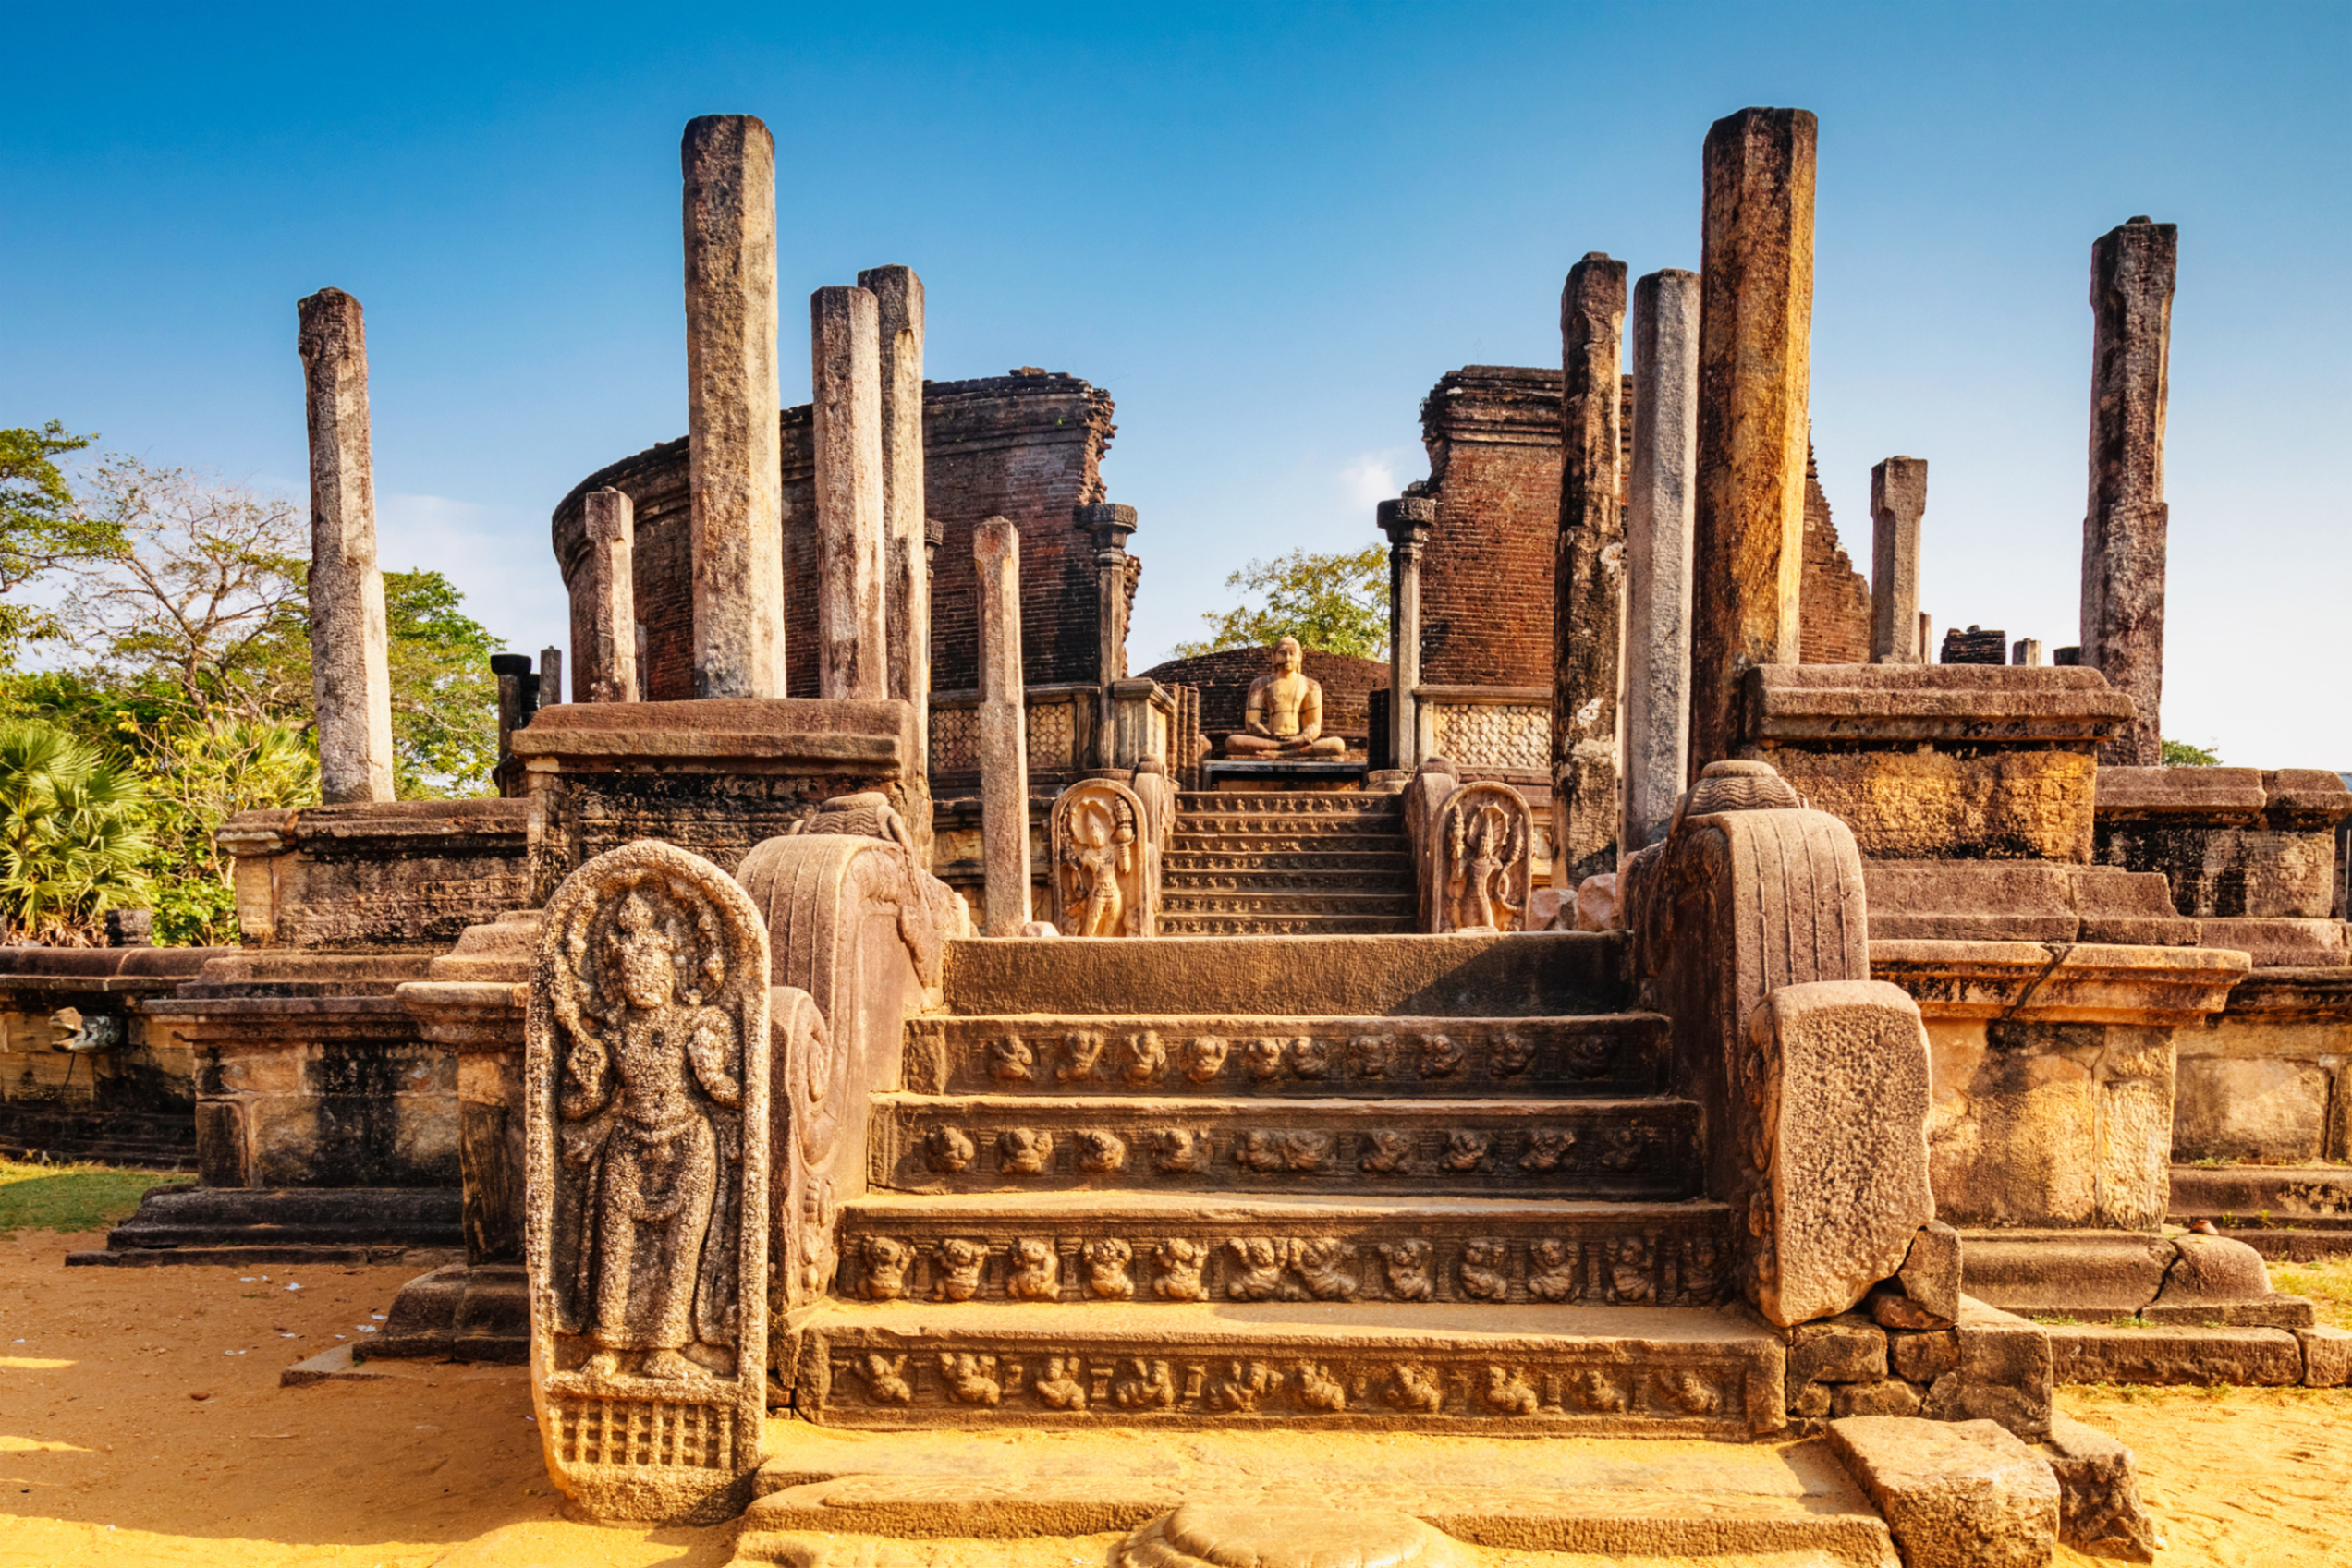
{"type": "Point", "coordinates": [1406, 521]}
{"type": "Point", "coordinates": [1587, 577]}
{"type": "Point", "coordinates": [2123, 533]}
{"type": "Point", "coordinates": [1756, 282]}
{"type": "Point", "coordinates": [350, 678]}
{"type": "Point", "coordinates": [607, 669]}
{"type": "Point", "coordinates": [899, 298]}
{"type": "Point", "coordinates": [1898, 497]}
{"type": "Point", "coordinates": [1659, 494]}
{"type": "Point", "coordinates": [551, 677]}
{"type": "Point", "coordinates": [1927, 635]}
{"type": "Point", "coordinates": [2026, 650]}
{"type": "Point", "coordinates": [1002, 727]}
{"type": "Point", "coordinates": [844, 331]}
{"type": "Point", "coordinates": [1108, 525]}
{"type": "Point", "coordinates": [734, 468]}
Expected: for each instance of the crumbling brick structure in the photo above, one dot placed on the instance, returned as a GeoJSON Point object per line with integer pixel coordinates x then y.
{"type": "Point", "coordinates": [1027, 446]}
{"type": "Point", "coordinates": [1833, 599]}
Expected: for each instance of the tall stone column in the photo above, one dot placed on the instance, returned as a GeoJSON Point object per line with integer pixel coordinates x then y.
{"type": "Point", "coordinates": [1408, 522]}
{"type": "Point", "coordinates": [733, 407]}
{"type": "Point", "coordinates": [1659, 497]}
{"type": "Point", "coordinates": [1002, 730]}
{"type": "Point", "coordinates": [606, 668]}
{"type": "Point", "coordinates": [1898, 499]}
{"type": "Point", "coordinates": [1588, 615]}
{"type": "Point", "coordinates": [1755, 349]}
{"type": "Point", "coordinates": [350, 677]}
{"type": "Point", "coordinates": [899, 298]}
{"type": "Point", "coordinates": [853, 640]}
{"type": "Point", "coordinates": [2132, 270]}
{"type": "Point", "coordinates": [1108, 525]}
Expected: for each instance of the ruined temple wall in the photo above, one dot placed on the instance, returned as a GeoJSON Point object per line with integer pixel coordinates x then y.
{"type": "Point", "coordinates": [1027, 447]}
{"type": "Point", "coordinates": [1493, 434]}
{"type": "Point", "coordinates": [1833, 599]}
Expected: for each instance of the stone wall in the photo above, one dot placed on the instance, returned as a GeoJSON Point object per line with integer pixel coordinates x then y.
{"type": "Point", "coordinates": [1492, 432]}
{"type": "Point", "coordinates": [1832, 600]}
{"type": "Point", "coordinates": [1224, 678]}
{"type": "Point", "coordinates": [383, 876]}
{"type": "Point", "coordinates": [1027, 446]}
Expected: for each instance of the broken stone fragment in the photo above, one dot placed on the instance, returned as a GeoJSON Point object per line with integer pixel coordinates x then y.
{"type": "Point", "coordinates": [1848, 1349]}
{"type": "Point", "coordinates": [2099, 1508]}
{"type": "Point", "coordinates": [2327, 1357]}
{"type": "Point", "coordinates": [1931, 1271]}
{"type": "Point", "coordinates": [1957, 1494]}
{"type": "Point", "coordinates": [1201, 1534]}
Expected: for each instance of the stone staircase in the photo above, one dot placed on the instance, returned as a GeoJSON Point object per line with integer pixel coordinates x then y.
{"type": "Point", "coordinates": [1422, 1184]}
{"type": "Point", "coordinates": [1286, 863]}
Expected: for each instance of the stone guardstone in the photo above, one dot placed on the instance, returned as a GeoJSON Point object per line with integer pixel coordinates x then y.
{"type": "Point", "coordinates": [646, 1102]}
{"type": "Point", "coordinates": [1957, 1494]}
{"type": "Point", "coordinates": [1837, 1077]}
{"type": "Point", "coordinates": [1478, 860]}
{"type": "Point", "coordinates": [1230, 1535]}
{"type": "Point", "coordinates": [1106, 867]}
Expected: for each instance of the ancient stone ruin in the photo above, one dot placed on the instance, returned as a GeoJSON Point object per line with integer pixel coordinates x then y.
{"type": "Point", "coordinates": [1657, 1003]}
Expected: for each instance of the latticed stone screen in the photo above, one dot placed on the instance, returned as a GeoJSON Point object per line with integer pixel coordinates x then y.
{"type": "Point", "coordinates": [1494, 735]}
{"type": "Point", "coordinates": [638, 1432]}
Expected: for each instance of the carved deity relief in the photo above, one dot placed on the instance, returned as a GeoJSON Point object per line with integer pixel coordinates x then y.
{"type": "Point", "coordinates": [1478, 860]}
{"type": "Point", "coordinates": [647, 1072]}
{"type": "Point", "coordinates": [1105, 863]}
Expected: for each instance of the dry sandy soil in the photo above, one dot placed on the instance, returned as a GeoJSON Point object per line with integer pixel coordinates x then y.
{"type": "Point", "coordinates": [142, 1423]}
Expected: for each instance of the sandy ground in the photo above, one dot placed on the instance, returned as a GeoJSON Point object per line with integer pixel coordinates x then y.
{"type": "Point", "coordinates": [142, 1423]}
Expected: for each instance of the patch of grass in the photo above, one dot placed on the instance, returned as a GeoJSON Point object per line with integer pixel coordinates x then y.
{"type": "Point", "coordinates": [2327, 1280]}
{"type": "Point", "coordinates": [2057, 1319]}
{"type": "Point", "coordinates": [2129, 1320]}
{"type": "Point", "coordinates": [68, 1197]}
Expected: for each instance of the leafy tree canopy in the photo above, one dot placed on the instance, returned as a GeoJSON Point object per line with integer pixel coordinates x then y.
{"type": "Point", "coordinates": [2180, 754]}
{"type": "Point", "coordinates": [1337, 603]}
{"type": "Point", "coordinates": [41, 527]}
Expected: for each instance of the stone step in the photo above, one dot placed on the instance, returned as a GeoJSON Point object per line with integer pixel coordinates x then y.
{"type": "Point", "coordinates": [1317, 886]}
{"type": "Point", "coordinates": [1158, 1248]}
{"type": "Point", "coordinates": [1541, 974]}
{"type": "Point", "coordinates": [1188, 862]}
{"type": "Point", "coordinates": [1286, 925]}
{"type": "Point", "coordinates": [1611, 1054]}
{"type": "Point", "coordinates": [862, 1496]}
{"type": "Point", "coordinates": [1288, 842]}
{"type": "Point", "coordinates": [1287, 803]}
{"type": "Point", "coordinates": [1286, 902]}
{"type": "Point", "coordinates": [1606, 1149]}
{"type": "Point", "coordinates": [1423, 1367]}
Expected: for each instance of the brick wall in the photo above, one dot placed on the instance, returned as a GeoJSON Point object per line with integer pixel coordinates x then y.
{"type": "Point", "coordinates": [1493, 434]}
{"type": "Point", "coordinates": [1832, 600]}
{"type": "Point", "coordinates": [1027, 446]}
{"type": "Point", "coordinates": [1224, 680]}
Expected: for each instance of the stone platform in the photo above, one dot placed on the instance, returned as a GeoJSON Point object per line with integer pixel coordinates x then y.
{"type": "Point", "coordinates": [1653, 1498]}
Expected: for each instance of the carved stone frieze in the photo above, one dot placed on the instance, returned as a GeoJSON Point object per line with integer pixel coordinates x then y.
{"type": "Point", "coordinates": [647, 1086]}
{"type": "Point", "coordinates": [1616, 1053]}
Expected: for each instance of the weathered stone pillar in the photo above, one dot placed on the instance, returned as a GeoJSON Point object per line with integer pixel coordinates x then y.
{"type": "Point", "coordinates": [734, 469]}
{"type": "Point", "coordinates": [1659, 495]}
{"type": "Point", "coordinates": [2122, 534]}
{"type": "Point", "coordinates": [1406, 521]}
{"type": "Point", "coordinates": [351, 679]}
{"type": "Point", "coordinates": [1587, 577]}
{"type": "Point", "coordinates": [1756, 273]}
{"type": "Point", "coordinates": [607, 669]}
{"type": "Point", "coordinates": [1002, 730]}
{"type": "Point", "coordinates": [2027, 651]}
{"type": "Point", "coordinates": [1899, 498]}
{"type": "Point", "coordinates": [551, 677]}
{"type": "Point", "coordinates": [1108, 525]}
{"type": "Point", "coordinates": [899, 298]}
{"type": "Point", "coordinates": [844, 331]}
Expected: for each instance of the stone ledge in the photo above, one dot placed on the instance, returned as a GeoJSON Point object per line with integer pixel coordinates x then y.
{"type": "Point", "coordinates": [1883, 704]}
{"type": "Point", "coordinates": [778, 734]}
{"type": "Point", "coordinates": [2085, 982]}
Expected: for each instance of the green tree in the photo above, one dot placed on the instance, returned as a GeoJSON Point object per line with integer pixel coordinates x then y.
{"type": "Point", "coordinates": [41, 527]}
{"type": "Point", "coordinates": [197, 778]}
{"type": "Point", "coordinates": [445, 700]}
{"type": "Point", "coordinates": [1337, 603]}
{"type": "Point", "coordinates": [2180, 754]}
{"type": "Point", "coordinates": [73, 836]}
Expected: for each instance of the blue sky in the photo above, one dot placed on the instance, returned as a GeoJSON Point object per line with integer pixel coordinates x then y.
{"type": "Point", "coordinates": [1266, 229]}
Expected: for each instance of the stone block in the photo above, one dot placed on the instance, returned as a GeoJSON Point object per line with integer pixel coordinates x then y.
{"type": "Point", "coordinates": [1970, 901]}
{"type": "Point", "coordinates": [1886, 1398]}
{"type": "Point", "coordinates": [2282, 943]}
{"type": "Point", "coordinates": [2327, 1357]}
{"type": "Point", "coordinates": [1893, 1309]}
{"type": "Point", "coordinates": [2197, 1356]}
{"type": "Point", "coordinates": [1923, 1359]}
{"type": "Point", "coordinates": [2081, 1272]}
{"type": "Point", "coordinates": [2273, 1113]}
{"type": "Point", "coordinates": [1845, 1064]}
{"type": "Point", "coordinates": [2099, 1507]}
{"type": "Point", "coordinates": [1850, 1349]}
{"type": "Point", "coordinates": [2005, 1368]}
{"type": "Point", "coordinates": [2213, 1268]}
{"type": "Point", "coordinates": [1930, 1271]}
{"type": "Point", "coordinates": [1956, 1494]}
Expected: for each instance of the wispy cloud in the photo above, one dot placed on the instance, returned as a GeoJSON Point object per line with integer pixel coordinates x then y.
{"type": "Point", "coordinates": [497, 556]}
{"type": "Point", "coordinates": [1371, 477]}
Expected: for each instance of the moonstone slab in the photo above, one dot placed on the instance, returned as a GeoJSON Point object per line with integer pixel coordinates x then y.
{"type": "Point", "coordinates": [1237, 1534]}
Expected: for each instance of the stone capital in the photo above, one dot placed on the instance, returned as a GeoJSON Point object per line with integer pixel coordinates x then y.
{"type": "Point", "coordinates": [1408, 521]}
{"type": "Point", "coordinates": [1109, 523]}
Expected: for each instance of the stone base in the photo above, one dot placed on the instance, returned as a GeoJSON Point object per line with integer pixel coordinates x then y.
{"type": "Point", "coordinates": [2099, 1275]}
{"type": "Point", "coordinates": [478, 1312]}
{"type": "Point", "coordinates": [1663, 1497]}
{"type": "Point", "coordinates": [180, 1217]}
{"type": "Point", "coordinates": [1238, 774]}
{"type": "Point", "coordinates": [2284, 1212]}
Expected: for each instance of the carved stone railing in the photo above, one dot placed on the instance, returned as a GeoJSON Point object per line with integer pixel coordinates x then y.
{"type": "Point", "coordinates": [860, 926]}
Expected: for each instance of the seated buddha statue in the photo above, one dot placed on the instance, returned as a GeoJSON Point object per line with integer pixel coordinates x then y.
{"type": "Point", "coordinates": [1284, 714]}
